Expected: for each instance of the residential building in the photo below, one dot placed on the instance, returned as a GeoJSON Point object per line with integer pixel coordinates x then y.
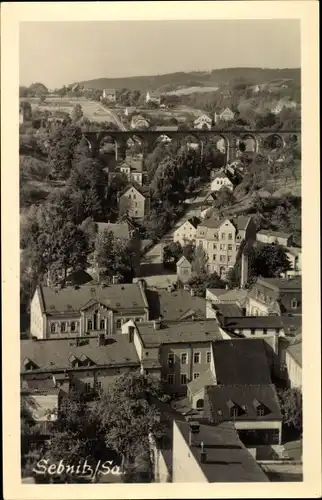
{"type": "Point", "coordinates": [207, 203]}
{"type": "Point", "coordinates": [186, 233]}
{"type": "Point", "coordinates": [275, 296]}
{"type": "Point", "coordinates": [268, 236]}
{"type": "Point", "coordinates": [139, 122]}
{"type": "Point", "coordinates": [221, 239]}
{"type": "Point", "coordinates": [254, 409]}
{"type": "Point", "coordinates": [153, 96]}
{"type": "Point", "coordinates": [184, 270]}
{"type": "Point", "coordinates": [225, 114]}
{"type": "Point", "coordinates": [282, 104]}
{"type": "Point", "coordinates": [133, 169]}
{"type": "Point", "coordinates": [293, 362]}
{"type": "Point", "coordinates": [176, 351]}
{"type": "Point", "coordinates": [89, 365]}
{"type": "Point", "coordinates": [294, 255]}
{"type": "Point", "coordinates": [86, 311]}
{"type": "Point", "coordinates": [220, 180]}
{"type": "Point", "coordinates": [109, 95]}
{"type": "Point", "coordinates": [176, 305]}
{"type": "Point", "coordinates": [203, 122]}
{"type": "Point", "coordinates": [209, 454]}
{"type": "Point", "coordinates": [135, 201]}
{"type": "Point", "coordinates": [234, 299]}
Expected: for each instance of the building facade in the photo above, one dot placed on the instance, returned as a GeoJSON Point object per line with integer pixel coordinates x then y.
{"type": "Point", "coordinates": [134, 203]}
{"type": "Point", "coordinates": [109, 95]}
{"type": "Point", "coordinates": [186, 233]}
{"type": "Point", "coordinates": [268, 236]}
{"type": "Point", "coordinates": [203, 122]}
{"type": "Point", "coordinates": [219, 181]}
{"type": "Point", "coordinates": [275, 296]}
{"type": "Point", "coordinates": [224, 115]}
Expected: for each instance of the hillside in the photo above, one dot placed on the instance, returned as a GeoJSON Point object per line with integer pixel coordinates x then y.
{"type": "Point", "coordinates": [217, 77]}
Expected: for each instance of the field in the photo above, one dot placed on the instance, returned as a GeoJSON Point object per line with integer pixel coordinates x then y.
{"type": "Point", "coordinates": [191, 90]}
{"type": "Point", "coordinates": [91, 109]}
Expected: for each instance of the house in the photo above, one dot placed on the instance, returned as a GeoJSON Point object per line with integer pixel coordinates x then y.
{"type": "Point", "coordinates": [89, 365]}
{"type": "Point", "coordinates": [294, 255]}
{"type": "Point", "coordinates": [203, 122]}
{"type": "Point", "coordinates": [175, 305]}
{"type": "Point", "coordinates": [207, 204]}
{"type": "Point", "coordinates": [275, 296]}
{"type": "Point", "coordinates": [87, 310]}
{"type": "Point", "coordinates": [133, 169]}
{"type": "Point", "coordinates": [186, 233]}
{"type": "Point", "coordinates": [184, 270]}
{"type": "Point", "coordinates": [153, 96]}
{"type": "Point", "coordinates": [41, 402]}
{"type": "Point", "coordinates": [225, 114]}
{"type": "Point", "coordinates": [269, 236]}
{"type": "Point", "coordinates": [284, 103]}
{"type": "Point", "coordinates": [234, 299]}
{"type": "Point", "coordinates": [293, 362]}
{"type": "Point", "coordinates": [256, 89]}
{"type": "Point", "coordinates": [109, 95]}
{"type": "Point", "coordinates": [219, 180]}
{"type": "Point", "coordinates": [234, 361]}
{"type": "Point", "coordinates": [253, 409]}
{"type": "Point", "coordinates": [221, 239]}
{"type": "Point", "coordinates": [175, 351]}
{"type": "Point", "coordinates": [204, 453]}
{"type": "Point", "coordinates": [135, 201]}
{"type": "Point", "coordinates": [139, 122]}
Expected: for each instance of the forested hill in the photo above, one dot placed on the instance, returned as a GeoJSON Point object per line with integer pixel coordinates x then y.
{"type": "Point", "coordinates": [216, 77]}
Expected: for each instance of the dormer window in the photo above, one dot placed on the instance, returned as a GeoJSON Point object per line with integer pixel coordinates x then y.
{"type": "Point", "coordinates": [294, 304]}
{"type": "Point", "coordinates": [260, 411]}
{"type": "Point", "coordinates": [29, 365]}
{"type": "Point", "coordinates": [234, 411]}
{"type": "Point", "coordinates": [74, 362]}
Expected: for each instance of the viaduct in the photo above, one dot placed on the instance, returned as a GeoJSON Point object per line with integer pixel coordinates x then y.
{"type": "Point", "coordinates": [233, 140]}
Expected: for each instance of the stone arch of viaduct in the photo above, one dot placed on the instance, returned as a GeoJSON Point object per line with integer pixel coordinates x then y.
{"type": "Point", "coordinates": [232, 139]}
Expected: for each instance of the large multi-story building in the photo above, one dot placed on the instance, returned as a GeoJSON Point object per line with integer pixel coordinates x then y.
{"type": "Point", "coordinates": [88, 310]}
{"type": "Point", "coordinates": [134, 201]}
{"type": "Point", "coordinates": [221, 239]}
{"type": "Point", "coordinates": [275, 296]}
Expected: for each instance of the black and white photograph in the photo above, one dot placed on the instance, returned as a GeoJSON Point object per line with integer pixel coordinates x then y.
{"type": "Point", "coordinates": [160, 239]}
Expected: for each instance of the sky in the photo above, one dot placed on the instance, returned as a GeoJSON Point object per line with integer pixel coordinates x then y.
{"type": "Point", "coordinates": [58, 53]}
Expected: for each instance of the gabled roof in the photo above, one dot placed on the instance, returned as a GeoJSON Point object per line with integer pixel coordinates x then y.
{"type": "Point", "coordinates": [230, 296]}
{"type": "Point", "coordinates": [241, 361]}
{"type": "Point", "coordinates": [143, 190]}
{"type": "Point", "coordinates": [183, 260]}
{"type": "Point", "coordinates": [243, 396]}
{"type": "Point", "coordinates": [227, 459]}
{"type": "Point", "coordinates": [174, 305]}
{"type": "Point", "coordinates": [205, 379]}
{"type": "Point", "coordinates": [249, 322]}
{"type": "Point", "coordinates": [69, 299]}
{"type": "Point", "coordinates": [228, 310]}
{"type": "Point", "coordinates": [54, 355]}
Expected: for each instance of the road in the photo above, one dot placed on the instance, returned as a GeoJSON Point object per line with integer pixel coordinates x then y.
{"type": "Point", "coordinates": [114, 117]}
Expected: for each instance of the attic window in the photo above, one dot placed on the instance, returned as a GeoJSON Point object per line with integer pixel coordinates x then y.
{"type": "Point", "coordinates": [234, 411]}
{"type": "Point", "coordinates": [118, 304]}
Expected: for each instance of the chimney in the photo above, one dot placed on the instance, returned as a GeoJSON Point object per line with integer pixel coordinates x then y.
{"type": "Point", "coordinates": [131, 334]}
{"type": "Point", "coordinates": [203, 455]}
{"type": "Point", "coordinates": [157, 324]}
{"type": "Point", "coordinates": [193, 430]}
{"type": "Point", "coordinates": [244, 270]}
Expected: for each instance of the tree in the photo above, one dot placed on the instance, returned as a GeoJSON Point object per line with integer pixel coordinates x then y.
{"type": "Point", "coordinates": [113, 257]}
{"type": "Point", "coordinates": [291, 406]}
{"type": "Point", "coordinates": [200, 261]}
{"type": "Point", "coordinates": [200, 283]}
{"type": "Point", "coordinates": [128, 416]}
{"type": "Point", "coordinates": [77, 113]}
{"type": "Point", "coordinates": [37, 90]}
{"type": "Point", "coordinates": [61, 148]}
{"type": "Point", "coordinates": [225, 198]}
{"type": "Point", "coordinates": [172, 252]}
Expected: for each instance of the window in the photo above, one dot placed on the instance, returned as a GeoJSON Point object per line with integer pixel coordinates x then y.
{"type": "Point", "coordinates": [88, 387]}
{"type": "Point", "coordinates": [195, 375]}
{"type": "Point", "coordinates": [118, 323]}
{"type": "Point", "coordinates": [170, 379]}
{"type": "Point", "coordinates": [260, 411]}
{"type": "Point", "coordinates": [171, 359]}
{"type": "Point", "coordinates": [214, 256]}
{"type": "Point", "coordinates": [63, 327]}
{"type": "Point", "coordinates": [98, 386]}
{"type": "Point", "coordinates": [134, 197]}
{"type": "Point", "coordinates": [196, 358]}
{"type": "Point", "coordinates": [184, 358]}
{"type": "Point", "coordinates": [183, 379]}
{"type": "Point", "coordinates": [137, 319]}
{"type": "Point", "coordinates": [129, 196]}
{"type": "Point", "coordinates": [136, 204]}
{"type": "Point", "coordinates": [294, 304]}
{"type": "Point", "coordinates": [53, 328]}
{"type": "Point", "coordinates": [215, 246]}
{"type": "Point", "coordinates": [200, 404]}
{"type": "Point", "coordinates": [222, 258]}
{"type": "Point", "coordinates": [73, 326]}
{"type": "Point", "coordinates": [89, 325]}
{"type": "Point", "coordinates": [252, 332]}
{"type": "Point", "coordinates": [234, 412]}
{"type": "Point", "coordinates": [229, 258]}
{"type": "Point", "coordinates": [230, 236]}
{"type": "Point", "coordinates": [208, 357]}
{"type": "Point", "coordinates": [102, 324]}
{"type": "Point", "coordinates": [230, 247]}
{"type": "Point", "coordinates": [222, 246]}
{"type": "Point", "coordinates": [222, 236]}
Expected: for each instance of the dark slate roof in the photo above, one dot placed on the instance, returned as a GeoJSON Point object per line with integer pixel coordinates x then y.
{"type": "Point", "coordinates": [219, 398]}
{"type": "Point", "coordinates": [228, 310]}
{"type": "Point", "coordinates": [179, 332]}
{"type": "Point", "coordinates": [116, 297]}
{"type": "Point", "coordinates": [241, 361]}
{"type": "Point", "coordinates": [281, 284]}
{"type": "Point", "coordinates": [51, 355]}
{"type": "Point", "coordinates": [273, 321]}
{"type": "Point", "coordinates": [239, 222]}
{"type": "Point", "coordinates": [173, 305]}
{"type": "Point", "coordinates": [228, 460]}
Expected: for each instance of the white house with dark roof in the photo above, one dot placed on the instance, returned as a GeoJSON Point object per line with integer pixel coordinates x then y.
{"type": "Point", "coordinates": [225, 114]}
{"type": "Point", "coordinates": [269, 236]}
{"type": "Point", "coordinates": [109, 95]}
{"type": "Point", "coordinates": [186, 233]}
{"type": "Point", "coordinates": [88, 310]}
{"type": "Point", "coordinates": [220, 180]}
{"type": "Point", "coordinates": [221, 239]}
{"type": "Point", "coordinates": [203, 122]}
{"type": "Point", "coordinates": [135, 201]}
{"type": "Point", "coordinates": [153, 96]}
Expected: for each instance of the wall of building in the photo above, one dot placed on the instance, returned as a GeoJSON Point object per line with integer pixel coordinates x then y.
{"type": "Point", "coordinates": [37, 327]}
{"type": "Point", "coordinates": [220, 182]}
{"type": "Point", "coordinates": [260, 425]}
{"type": "Point", "coordinates": [184, 465]}
{"type": "Point", "coordinates": [294, 371]}
{"type": "Point", "coordinates": [133, 203]}
{"type": "Point", "coordinates": [185, 233]}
